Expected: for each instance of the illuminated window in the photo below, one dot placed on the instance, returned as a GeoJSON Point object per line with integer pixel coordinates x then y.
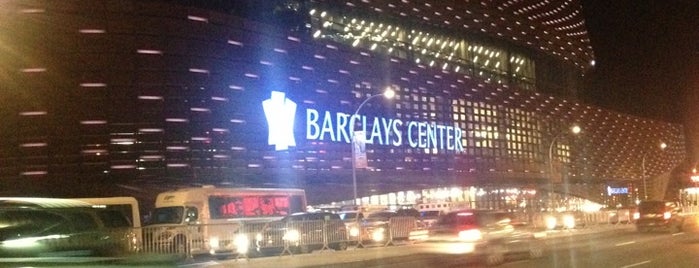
{"type": "Point", "coordinates": [440, 51]}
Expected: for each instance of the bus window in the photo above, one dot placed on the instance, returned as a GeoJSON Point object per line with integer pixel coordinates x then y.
{"type": "Point", "coordinates": [296, 204]}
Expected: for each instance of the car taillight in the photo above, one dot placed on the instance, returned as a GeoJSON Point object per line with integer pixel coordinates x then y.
{"type": "Point", "coordinates": [667, 215]}
{"type": "Point", "coordinates": [470, 235]}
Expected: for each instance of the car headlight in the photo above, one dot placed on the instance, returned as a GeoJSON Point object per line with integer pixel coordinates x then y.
{"type": "Point", "coordinates": [242, 243]}
{"type": "Point", "coordinates": [30, 242]}
{"type": "Point", "coordinates": [569, 221]}
{"type": "Point", "coordinates": [470, 235]}
{"type": "Point", "coordinates": [354, 231]}
{"type": "Point", "coordinates": [636, 215]}
{"type": "Point", "coordinates": [258, 237]}
{"type": "Point", "coordinates": [378, 234]}
{"type": "Point", "coordinates": [291, 235]}
{"type": "Point", "coordinates": [667, 215]}
{"type": "Point", "coordinates": [551, 222]}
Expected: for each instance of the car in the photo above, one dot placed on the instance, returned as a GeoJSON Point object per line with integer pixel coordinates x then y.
{"type": "Point", "coordinates": [430, 216]}
{"type": "Point", "coordinates": [52, 227]}
{"type": "Point", "coordinates": [303, 232]}
{"type": "Point", "coordinates": [484, 233]}
{"type": "Point", "coordinates": [373, 228]}
{"type": "Point", "coordinates": [653, 215]}
{"type": "Point", "coordinates": [378, 228]}
{"type": "Point", "coordinates": [564, 220]}
{"type": "Point", "coordinates": [352, 220]}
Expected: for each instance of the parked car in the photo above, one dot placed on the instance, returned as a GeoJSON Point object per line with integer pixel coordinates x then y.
{"type": "Point", "coordinates": [302, 233]}
{"type": "Point", "coordinates": [41, 227]}
{"type": "Point", "coordinates": [484, 233]}
{"type": "Point", "coordinates": [653, 215]}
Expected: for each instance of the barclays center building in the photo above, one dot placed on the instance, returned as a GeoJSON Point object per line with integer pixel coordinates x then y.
{"type": "Point", "coordinates": [150, 95]}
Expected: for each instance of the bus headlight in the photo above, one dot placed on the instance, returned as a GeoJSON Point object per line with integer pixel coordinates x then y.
{"type": "Point", "coordinates": [242, 243]}
{"type": "Point", "coordinates": [213, 242]}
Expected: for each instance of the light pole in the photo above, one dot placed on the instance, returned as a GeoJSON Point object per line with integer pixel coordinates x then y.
{"type": "Point", "coordinates": [695, 180]}
{"type": "Point", "coordinates": [575, 129]}
{"type": "Point", "coordinates": [388, 94]}
{"type": "Point", "coordinates": [643, 171]}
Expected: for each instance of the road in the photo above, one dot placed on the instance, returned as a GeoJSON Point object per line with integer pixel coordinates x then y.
{"type": "Point", "coordinates": [625, 249]}
{"type": "Point", "coordinates": [613, 246]}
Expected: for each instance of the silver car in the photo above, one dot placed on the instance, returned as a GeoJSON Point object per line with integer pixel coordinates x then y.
{"type": "Point", "coordinates": [484, 233]}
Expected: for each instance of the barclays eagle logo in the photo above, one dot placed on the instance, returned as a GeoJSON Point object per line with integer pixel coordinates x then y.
{"type": "Point", "coordinates": [280, 113]}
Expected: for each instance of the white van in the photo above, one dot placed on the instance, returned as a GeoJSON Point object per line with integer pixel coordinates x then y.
{"type": "Point", "coordinates": [208, 220]}
{"type": "Point", "coordinates": [125, 204]}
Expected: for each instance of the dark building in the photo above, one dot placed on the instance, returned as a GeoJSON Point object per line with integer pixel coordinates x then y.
{"type": "Point", "coordinates": [153, 95]}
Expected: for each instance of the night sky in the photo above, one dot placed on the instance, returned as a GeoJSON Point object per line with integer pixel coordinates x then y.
{"type": "Point", "coordinates": [642, 50]}
{"type": "Point", "coordinates": [647, 60]}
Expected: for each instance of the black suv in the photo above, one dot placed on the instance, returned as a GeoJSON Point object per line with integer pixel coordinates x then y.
{"type": "Point", "coordinates": [659, 215]}
{"type": "Point", "coordinates": [303, 232]}
{"type": "Point", "coordinates": [484, 233]}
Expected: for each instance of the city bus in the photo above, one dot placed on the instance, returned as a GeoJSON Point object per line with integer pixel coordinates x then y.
{"type": "Point", "coordinates": [216, 221]}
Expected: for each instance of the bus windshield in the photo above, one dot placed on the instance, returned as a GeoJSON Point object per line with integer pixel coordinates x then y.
{"type": "Point", "coordinates": [165, 215]}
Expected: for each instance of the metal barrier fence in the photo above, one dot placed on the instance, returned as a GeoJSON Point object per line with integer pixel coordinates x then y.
{"type": "Point", "coordinates": [582, 219]}
{"type": "Point", "coordinates": [230, 239]}
{"type": "Point", "coordinates": [302, 236]}
{"type": "Point", "coordinates": [243, 240]}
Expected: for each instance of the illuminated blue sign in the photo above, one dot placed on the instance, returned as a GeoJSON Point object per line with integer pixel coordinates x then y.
{"type": "Point", "coordinates": [336, 127]}
{"type": "Point", "coordinates": [617, 190]}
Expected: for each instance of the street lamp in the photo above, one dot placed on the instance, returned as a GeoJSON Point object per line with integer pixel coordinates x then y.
{"type": "Point", "coordinates": [388, 94]}
{"type": "Point", "coordinates": [643, 170]}
{"type": "Point", "coordinates": [575, 129]}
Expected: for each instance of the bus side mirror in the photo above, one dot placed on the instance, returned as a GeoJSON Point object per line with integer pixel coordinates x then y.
{"type": "Point", "coordinates": [191, 216]}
